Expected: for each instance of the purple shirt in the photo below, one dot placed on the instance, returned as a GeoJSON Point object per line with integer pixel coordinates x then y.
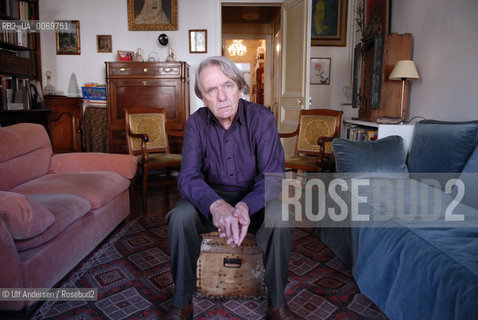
{"type": "Point", "coordinates": [232, 160]}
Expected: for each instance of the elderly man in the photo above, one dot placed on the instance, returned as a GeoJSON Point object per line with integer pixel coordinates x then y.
{"type": "Point", "coordinates": [229, 147]}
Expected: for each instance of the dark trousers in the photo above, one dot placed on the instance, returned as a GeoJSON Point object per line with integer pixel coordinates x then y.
{"type": "Point", "coordinates": [273, 236]}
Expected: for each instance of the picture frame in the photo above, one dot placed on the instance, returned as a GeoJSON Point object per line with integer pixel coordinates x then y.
{"type": "Point", "coordinates": [329, 23]}
{"type": "Point", "coordinates": [104, 43]}
{"type": "Point", "coordinates": [69, 42]}
{"type": "Point", "coordinates": [320, 70]}
{"type": "Point", "coordinates": [198, 41]}
{"type": "Point", "coordinates": [124, 55]}
{"type": "Point", "coordinates": [377, 16]}
{"type": "Point", "coordinates": [146, 15]}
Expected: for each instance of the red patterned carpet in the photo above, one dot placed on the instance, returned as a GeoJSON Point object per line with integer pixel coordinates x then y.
{"type": "Point", "coordinates": [131, 273]}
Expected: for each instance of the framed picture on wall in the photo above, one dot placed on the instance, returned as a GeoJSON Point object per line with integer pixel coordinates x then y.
{"type": "Point", "coordinates": [320, 70]}
{"type": "Point", "coordinates": [152, 15]}
{"type": "Point", "coordinates": [103, 43]}
{"type": "Point", "coordinates": [329, 23]}
{"type": "Point", "coordinates": [125, 55]}
{"type": "Point", "coordinates": [377, 16]}
{"type": "Point", "coordinates": [198, 41]}
{"type": "Point", "coordinates": [69, 42]}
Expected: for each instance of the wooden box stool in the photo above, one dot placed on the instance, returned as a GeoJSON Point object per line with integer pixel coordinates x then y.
{"type": "Point", "coordinates": [224, 272]}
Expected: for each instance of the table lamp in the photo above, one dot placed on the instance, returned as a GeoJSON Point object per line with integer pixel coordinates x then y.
{"type": "Point", "coordinates": [404, 70]}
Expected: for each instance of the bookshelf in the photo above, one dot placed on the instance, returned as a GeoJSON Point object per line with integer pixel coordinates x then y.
{"type": "Point", "coordinates": [367, 130]}
{"type": "Point", "coordinates": [20, 61]}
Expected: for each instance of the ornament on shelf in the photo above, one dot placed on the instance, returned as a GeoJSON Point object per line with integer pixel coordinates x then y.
{"type": "Point", "coordinates": [170, 57]}
{"type": "Point", "coordinates": [138, 56]}
{"type": "Point", "coordinates": [49, 89]}
{"type": "Point", "coordinates": [73, 88]}
{"type": "Point", "coordinates": [153, 56]}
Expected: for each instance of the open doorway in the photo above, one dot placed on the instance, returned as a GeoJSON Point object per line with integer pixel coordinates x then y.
{"type": "Point", "coordinates": [249, 35]}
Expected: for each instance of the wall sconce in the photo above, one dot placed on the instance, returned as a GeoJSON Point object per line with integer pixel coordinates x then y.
{"type": "Point", "coordinates": [404, 70]}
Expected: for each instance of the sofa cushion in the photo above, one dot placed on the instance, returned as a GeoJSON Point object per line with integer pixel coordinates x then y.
{"type": "Point", "coordinates": [66, 209]}
{"type": "Point", "coordinates": [98, 187]}
{"type": "Point", "coordinates": [440, 146]}
{"type": "Point", "coordinates": [383, 157]}
{"type": "Point", "coordinates": [25, 152]}
{"type": "Point", "coordinates": [24, 217]}
{"type": "Point", "coordinates": [469, 177]}
{"type": "Point", "coordinates": [124, 164]}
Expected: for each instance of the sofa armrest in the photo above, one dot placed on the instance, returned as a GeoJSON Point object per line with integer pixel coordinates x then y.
{"type": "Point", "coordinates": [10, 267]}
{"type": "Point", "coordinates": [123, 164]}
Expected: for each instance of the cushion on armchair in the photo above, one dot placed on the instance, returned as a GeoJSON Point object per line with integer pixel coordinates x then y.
{"type": "Point", "coordinates": [24, 218]}
{"type": "Point", "coordinates": [380, 158]}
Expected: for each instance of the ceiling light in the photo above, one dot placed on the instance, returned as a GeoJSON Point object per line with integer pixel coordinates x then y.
{"type": "Point", "coordinates": [237, 48]}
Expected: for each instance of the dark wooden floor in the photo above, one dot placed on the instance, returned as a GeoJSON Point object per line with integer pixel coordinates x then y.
{"type": "Point", "coordinates": [160, 201]}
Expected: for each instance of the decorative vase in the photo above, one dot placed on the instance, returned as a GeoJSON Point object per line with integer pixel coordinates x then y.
{"type": "Point", "coordinates": [73, 88]}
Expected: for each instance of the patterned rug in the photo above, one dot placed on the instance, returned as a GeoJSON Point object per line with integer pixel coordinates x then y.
{"type": "Point", "coordinates": [132, 275]}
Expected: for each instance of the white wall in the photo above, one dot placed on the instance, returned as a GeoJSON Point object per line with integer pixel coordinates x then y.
{"type": "Point", "coordinates": [445, 49]}
{"type": "Point", "coordinates": [110, 17]}
{"type": "Point", "coordinates": [445, 53]}
{"type": "Point", "coordinates": [332, 96]}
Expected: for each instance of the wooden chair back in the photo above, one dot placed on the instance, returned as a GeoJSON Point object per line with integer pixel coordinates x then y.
{"type": "Point", "coordinates": [150, 121]}
{"type": "Point", "coordinates": [315, 124]}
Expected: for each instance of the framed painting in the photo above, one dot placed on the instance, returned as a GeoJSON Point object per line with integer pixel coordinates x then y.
{"type": "Point", "coordinates": [103, 43]}
{"type": "Point", "coordinates": [69, 42]}
{"type": "Point", "coordinates": [152, 15]}
{"type": "Point", "coordinates": [377, 16]}
{"type": "Point", "coordinates": [320, 70]}
{"type": "Point", "coordinates": [329, 23]}
{"type": "Point", "coordinates": [198, 41]}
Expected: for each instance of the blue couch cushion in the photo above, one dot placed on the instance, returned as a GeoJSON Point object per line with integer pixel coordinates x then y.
{"type": "Point", "coordinates": [385, 156]}
{"type": "Point", "coordinates": [440, 146]}
{"type": "Point", "coordinates": [469, 177]}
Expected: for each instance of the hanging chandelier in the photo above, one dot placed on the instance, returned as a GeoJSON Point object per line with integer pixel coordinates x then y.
{"type": "Point", "coordinates": [237, 48]}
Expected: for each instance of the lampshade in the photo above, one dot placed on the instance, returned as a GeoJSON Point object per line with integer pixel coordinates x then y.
{"type": "Point", "coordinates": [404, 70]}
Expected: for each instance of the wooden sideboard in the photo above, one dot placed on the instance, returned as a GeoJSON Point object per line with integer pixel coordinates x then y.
{"type": "Point", "coordinates": [141, 84]}
{"type": "Point", "coordinates": [65, 122]}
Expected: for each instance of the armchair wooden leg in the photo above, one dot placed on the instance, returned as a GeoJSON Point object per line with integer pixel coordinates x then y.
{"type": "Point", "coordinates": [145, 190]}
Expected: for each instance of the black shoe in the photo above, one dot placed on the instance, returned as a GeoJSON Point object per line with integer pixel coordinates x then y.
{"type": "Point", "coordinates": [184, 313]}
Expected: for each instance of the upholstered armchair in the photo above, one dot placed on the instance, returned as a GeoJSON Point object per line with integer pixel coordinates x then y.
{"type": "Point", "coordinates": [147, 139]}
{"type": "Point", "coordinates": [313, 149]}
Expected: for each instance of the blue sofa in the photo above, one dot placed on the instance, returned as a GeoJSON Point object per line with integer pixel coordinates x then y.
{"type": "Point", "coordinates": [411, 268]}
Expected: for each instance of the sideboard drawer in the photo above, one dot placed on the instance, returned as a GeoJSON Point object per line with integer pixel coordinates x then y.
{"type": "Point", "coordinates": [133, 69]}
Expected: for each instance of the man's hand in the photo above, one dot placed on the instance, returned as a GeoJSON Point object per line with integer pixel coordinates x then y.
{"type": "Point", "coordinates": [241, 212]}
{"type": "Point", "coordinates": [230, 222]}
{"type": "Point", "coordinates": [223, 219]}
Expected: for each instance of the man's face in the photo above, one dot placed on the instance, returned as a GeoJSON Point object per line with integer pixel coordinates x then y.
{"type": "Point", "coordinates": [219, 93]}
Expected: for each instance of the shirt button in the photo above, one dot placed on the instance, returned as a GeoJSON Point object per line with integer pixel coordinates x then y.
{"type": "Point", "coordinates": [227, 141]}
{"type": "Point", "coordinates": [229, 158]}
{"type": "Point", "coordinates": [231, 174]}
